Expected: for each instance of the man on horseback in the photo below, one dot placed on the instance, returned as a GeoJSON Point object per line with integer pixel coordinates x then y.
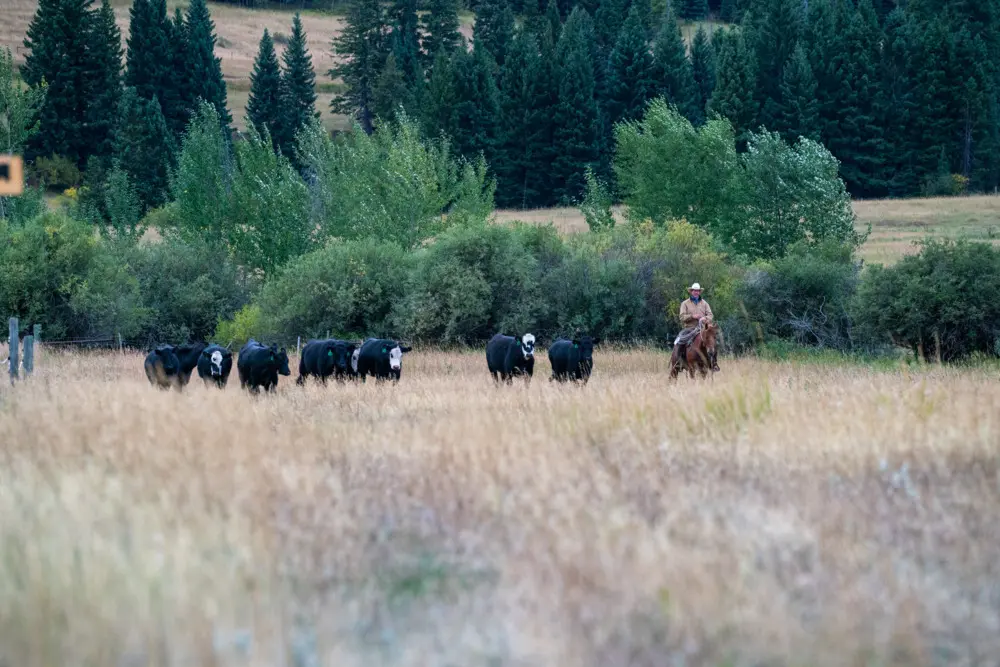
{"type": "Point", "coordinates": [693, 311]}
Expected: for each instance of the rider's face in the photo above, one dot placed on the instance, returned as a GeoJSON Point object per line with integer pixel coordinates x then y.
{"type": "Point", "coordinates": [695, 293]}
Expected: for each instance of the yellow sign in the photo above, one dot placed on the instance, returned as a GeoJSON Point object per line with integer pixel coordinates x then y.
{"type": "Point", "coordinates": [11, 175]}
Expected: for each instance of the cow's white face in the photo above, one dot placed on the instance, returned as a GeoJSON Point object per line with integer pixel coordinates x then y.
{"type": "Point", "coordinates": [528, 345]}
{"type": "Point", "coordinates": [354, 360]}
{"type": "Point", "coordinates": [216, 363]}
{"type": "Point", "coordinates": [395, 358]}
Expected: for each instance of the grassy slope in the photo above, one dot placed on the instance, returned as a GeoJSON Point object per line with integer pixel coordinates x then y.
{"type": "Point", "coordinates": [443, 521]}
{"type": "Point", "coordinates": [896, 223]}
{"type": "Point", "coordinates": [239, 30]}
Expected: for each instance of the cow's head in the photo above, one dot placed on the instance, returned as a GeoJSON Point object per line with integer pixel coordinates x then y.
{"type": "Point", "coordinates": [527, 342]}
{"type": "Point", "coordinates": [215, 361]}
{"type": "Point", "coordinates": [354, 359]}
{"type": "Point", "coordinates": [341, 353]}
{"type": "Point", "coordinates": [585, 348]}
{"type": "Point", "coordinates": [395, 351]}
{"type": "Point", "coordinates": [279, 359]}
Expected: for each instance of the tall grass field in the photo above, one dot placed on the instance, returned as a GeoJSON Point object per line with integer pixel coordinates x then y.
{"type": "Point", "coordinates": [778, 514]}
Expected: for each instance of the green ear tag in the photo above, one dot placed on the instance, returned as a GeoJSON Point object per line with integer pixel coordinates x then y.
{"type": "Point", "coordinates": [575, 345]}
{"type": "Point", "coordinates": [272, 357]}
{"type": "Point", "coordinates": [384, 350]}
{"type": "Point", "coordinates": [329, 353]}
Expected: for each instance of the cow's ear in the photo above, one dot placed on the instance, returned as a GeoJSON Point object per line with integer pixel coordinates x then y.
{"type": "Point", "coordinates": [405, 348]}
{"type": "Point", "coordinates": [597, 341]}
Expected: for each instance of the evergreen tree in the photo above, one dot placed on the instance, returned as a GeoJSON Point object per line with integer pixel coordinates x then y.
{"type": "Point", "coordinates": [363, 45]}
{"type": "Point", "coordinates": [702, 70]}
{"type": "Point", "coordinates": [534, 20]}
{"type": "Point", "coordinates": [736, 79]}
{"type": "Point", "coordinates": [553, 17]}
{"type": "Point", "coordinates": [632, 79]}
{"type": "Point", "coordinates": [494, 28]}
{"type": "Point", "coordinates": [440, 28]}
{"type": "Point", "coordinates": [475, 110]}
{"type": "Point", "coordinates": [180, 72]}
{"type": "Point", "coordinates": [299, 87]}
{"type": "Point", "coordinates": [106, 84]}
{"type": "Point", "coordinates": [405, 45]}
{"type": "Point", "coordinates": [439, 97]}
{"type": "Point", "coordinates": [693, 10]}
{"type": "Point", "coordinates": [511, 162]}
{"type": "Point", "coordinates": [144, 148]}
{"type": "Point", "coordinates": [204, 67]}
{"type": "Point", "coordinates": [150, 61]}
{"type": "Point", "coordinates": [265, 108]}
{"type": "Point", "coordinates": [727, 11]}
{"type": "Point", "coordinates": [674, 74]}
{"type": "Point", "coordinates": [649, 21]}
{"type": "Point", "coordinates": [391, 91]}
{"type": "Point", "coordinates": [608, 23]}
{"type": "Point", "coordinates": [577, 137]}
{"type": "Point", "coordinates": [59, 38]}
{"type": "Point", "coordinates": [776, 33]}
{"type": "Point", "coordinates": [798, 111]}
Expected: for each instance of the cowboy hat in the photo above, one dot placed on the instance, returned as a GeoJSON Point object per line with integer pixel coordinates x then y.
{"type": "Point", "coordinates": [695, 286]}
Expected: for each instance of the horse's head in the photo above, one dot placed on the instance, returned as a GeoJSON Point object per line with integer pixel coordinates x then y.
{"type": "Point", "coordinates": [709, 332]}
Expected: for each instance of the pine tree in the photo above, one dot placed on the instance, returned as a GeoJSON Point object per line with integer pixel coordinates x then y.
{"type": "Point", "coordinates": [649, 21]}
{"type": "Point", "coordinates": [632, 79]}
{"type": "Point", "coordinates": [441, 28]}
{"type": "Point", "coordinates": [798, 112]}
{"type": "Point", "coordinates": [475, 109]}
{"type": "Point", "coordinates": [439, 98]}
{"type": "Point", "coordinates": [776, 34]}
{"type": "Point", "coordinates": [736, 80]}
{"type": "Point", "coordinates": [534, 20]}
{"type": "Point", "coordinates": [608, 23]}
{"type": "Point", "coordinates": [494, 28]}
{"type": "Point", "coordinates": [181, 74]}
{"type": "Point", "coordinates": [363, 44]}
{"type": "Point", "coordinates": [702, 70]}
{"type": "Point", "coordinates": [405, 45]}
{"type": "Point", "coordinates": [144, 148]}
{"type": "Point", "coordinates": [299, 86]}
{"type": "Point", "coordinates": [59, 38]}
{"type": "Point", "coordinates": [674, 73]}
{"type": "Point", "coordinates": [204, 67]}
{"type": "Point", "coordinates": [265, 108]}
{"type": "Point", "coordinates": [727, 11]}
{"type": "Point", "coordinates": [391, 91]}
{"type": "Point", "coordinates": [577, 137]}
{"type": "Point", "coordinates": [511, 162]}
{"type": "Point", "coordinates": [106, 82]}
{"type": "Point", "coordinates": [150, 61]}
{"type": "Point", "coordinates": [693, 10]}
{"type": "Point", "coordinates": [553, 17]}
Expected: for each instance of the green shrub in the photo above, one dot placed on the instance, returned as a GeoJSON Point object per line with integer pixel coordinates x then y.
{"type": "Point", "coordinates": [471, 283]}
{"type": "Point", "coordinates": [805, 296]}
{"type": "Point", "coordinates": [348, 288]}
{"type": "Point", "coordinates": [244, 325]}
{"type": "Point", "coordinates": [187, 288]}
{"type": "Point", "coordinates": [57, 273]}
{"type": "Point", "coordinates": [56, 172]}
{"type": "Point", "coordinates": [936, 303]}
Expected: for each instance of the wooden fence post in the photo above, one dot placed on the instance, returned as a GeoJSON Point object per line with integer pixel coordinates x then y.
{"type": "Point", "coordinates": [298, 345]}
{"type": "Point", "coordinates": [14, 349]}
{"type": "Point", "coordinates": [29, 355]}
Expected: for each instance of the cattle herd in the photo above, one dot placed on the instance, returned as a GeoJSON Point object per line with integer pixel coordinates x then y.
{"type": "Point", "coordinates": [259, 365]}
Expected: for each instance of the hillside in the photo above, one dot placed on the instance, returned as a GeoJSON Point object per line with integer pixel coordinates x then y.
{"type": "Point", "coordinates": [239, 30]}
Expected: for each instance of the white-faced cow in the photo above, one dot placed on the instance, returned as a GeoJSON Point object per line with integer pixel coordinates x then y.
{"type": "Point", "coordinates": [381, 358]}
{"type": "Point", "coordinates": [323, 358]}
{"type": "Point", "coordinates": [260, 365]}
{"type": "Point", "coordinates": [572, 359]}
{"type": "Point", "coordinates": [215, 364]}
{"type": "Point", "coordinates": [163, 368]}
{"type": "Point", "coordinates": [507, 356]}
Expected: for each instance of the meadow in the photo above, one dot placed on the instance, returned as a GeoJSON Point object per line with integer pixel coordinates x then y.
{"type": "Point", "coordinates": [779, 514]}
{"type": "Point", "coordinates": [896, 223]}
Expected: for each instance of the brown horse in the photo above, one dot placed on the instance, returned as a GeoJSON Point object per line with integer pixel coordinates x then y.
{"type": "Point", "coordinates": [700, 352]}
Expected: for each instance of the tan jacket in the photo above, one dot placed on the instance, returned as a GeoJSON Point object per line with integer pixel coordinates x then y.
{"type": "Point", "coordinates": [691, 312]}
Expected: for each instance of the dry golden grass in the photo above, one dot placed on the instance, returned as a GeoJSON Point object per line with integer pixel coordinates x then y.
{"type": "Point", "coordinates": [896, 223]}
{"type": "Point", "coordinates": [780, 515]}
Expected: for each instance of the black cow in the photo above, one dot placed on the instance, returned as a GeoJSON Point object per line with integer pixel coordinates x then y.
{"type": "Point", "coordinates": [572, 359]}
{"type": "Point", "coordinates": [215, 364]}
{"type": "Point", "coordinates": [188, 356]}
{"type": "Point", "coordinates": [163, 367]}
{"type": "Point", "coordinates": [323, 358]}
{"type": "Point", "coordinates": [259, 366]}
{"type": "Point", "coordinates": [507, 356]}
{"type": "Point", "coordinates": [382, 358]}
